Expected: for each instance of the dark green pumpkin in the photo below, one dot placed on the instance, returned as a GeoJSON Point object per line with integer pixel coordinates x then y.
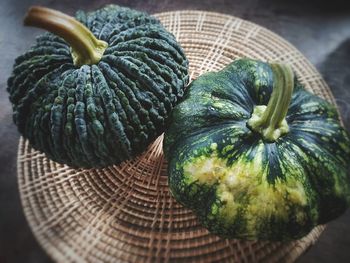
{"type": "Point", "coordinates": [245, 180]}
{"type": "Point", "coordinates": [88, 111]}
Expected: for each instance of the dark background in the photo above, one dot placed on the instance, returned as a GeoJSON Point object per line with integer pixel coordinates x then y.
{"type": "Point", "coordinates": [320, 30]}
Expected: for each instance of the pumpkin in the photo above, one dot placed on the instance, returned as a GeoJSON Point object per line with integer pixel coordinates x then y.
{"type": "Point", "coordinates": [97, 89]}
{"type": "Point", "coordinates": [255, 155]}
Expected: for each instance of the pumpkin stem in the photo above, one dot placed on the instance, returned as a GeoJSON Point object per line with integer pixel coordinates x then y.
{"type": "Point", "coordinates": [270, 120]}
{"type": "Point", "coordinates": [85, 47]}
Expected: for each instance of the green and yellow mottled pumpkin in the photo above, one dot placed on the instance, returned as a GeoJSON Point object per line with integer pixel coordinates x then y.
{"type": "Point", "coordinates": [99, 92]}
{"type": "Point", "coordinates": [255, 155]}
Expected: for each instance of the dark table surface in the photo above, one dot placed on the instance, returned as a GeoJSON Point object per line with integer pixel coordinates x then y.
{"type": "Point", "coordinates": [321, 31]}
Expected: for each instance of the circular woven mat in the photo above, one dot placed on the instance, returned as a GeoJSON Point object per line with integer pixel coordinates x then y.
{"type": "Point", "coordinates": [125, 213]}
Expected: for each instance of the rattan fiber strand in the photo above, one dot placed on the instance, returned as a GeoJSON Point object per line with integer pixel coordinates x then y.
{"type": "Point", "coordinates": [125, 213]}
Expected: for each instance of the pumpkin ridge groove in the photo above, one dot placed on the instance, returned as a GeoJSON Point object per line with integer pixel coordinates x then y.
{"type": "Point", "coordinates": [94, 124]}
{"type": "Point", "coordinates": [133, 102]}
{"type": "Point", "coordinates": [21, 108]}
{"type": "Point", "coordinates": [120, 28]}
{"type": "Point", "coordinates": [40, 52]}
{"type": "Point", "coordinates": [145, 32]}
{"type": "Point", "coordinates": [49, 37]}
{"type": "Point", "coordinates": [70, 145]}
{"type": "Point", "coordinates": [109, 111]}
{"type": "Point", "coordinates": [158, 45]}
{"type": "Point", "coordinates": [57, 111]}
{"type": "Point", "coordinates": [80, 114]}
{"type": "Point", "coordinates": [157, 68]}
{"type": "Point", "coordinates": [154, 80]}
{"type": "Point", "coordinates": [24, 84]}
{"type": "Point", "coordinates": [130, 69]}
{"type": "Point", "coordinates": [101, 122]}
{"type": "Point", "coordinates": [160, 56]}
{"type": "Point", "coordinates": [49, 44]}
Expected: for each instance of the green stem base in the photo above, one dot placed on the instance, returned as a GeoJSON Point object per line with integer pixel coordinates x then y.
{"type": "Point", "coordinates": [270, 120]}
{"type": "Point", "coordinates": [269, 134]}
{"type": "Point", "coordinates": [86, 49]}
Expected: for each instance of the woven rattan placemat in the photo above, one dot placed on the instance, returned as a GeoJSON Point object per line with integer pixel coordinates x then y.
{"type": "Point", "coordinates": [125, 213]}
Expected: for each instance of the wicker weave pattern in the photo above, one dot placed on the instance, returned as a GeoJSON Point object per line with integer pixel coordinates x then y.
{"type": "Point", "coordinates": [125, 213]}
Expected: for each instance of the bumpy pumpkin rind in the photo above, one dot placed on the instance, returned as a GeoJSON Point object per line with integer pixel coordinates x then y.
{"type": "Point", "coordinates": [97, 115]}
{"type": "Point", "coordinates": [241, 186]}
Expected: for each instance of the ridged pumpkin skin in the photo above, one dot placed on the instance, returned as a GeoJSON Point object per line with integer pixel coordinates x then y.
{"type": "Point", "coordinates": [241, 186]}
{"type": "Point", "coordinates": [97, 115]}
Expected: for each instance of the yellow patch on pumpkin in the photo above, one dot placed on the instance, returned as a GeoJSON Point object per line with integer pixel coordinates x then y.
{"type": "Point", "coordinates": [246, 178]}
